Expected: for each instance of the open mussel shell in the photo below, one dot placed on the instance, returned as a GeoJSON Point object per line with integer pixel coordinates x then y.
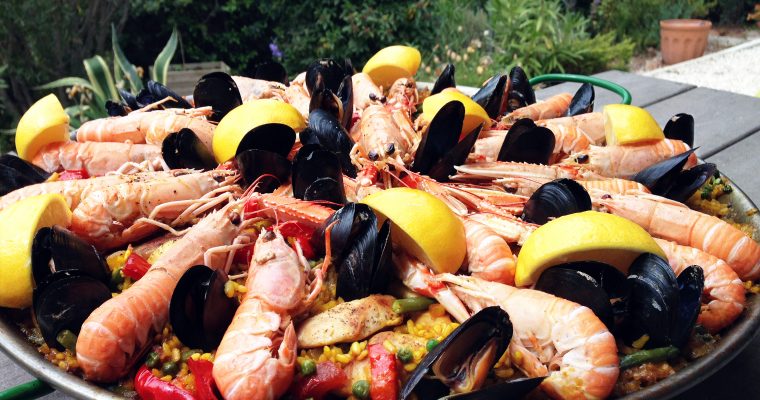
{"type": "Point", "coordinates": [266, 169]}
{"type": "Point", "coordinates": [445, 79]}
{"type": "Point", "coordinates": [327, 131]}
{"type": "Point", "coordinates": [116, 109]}
{"type": "Point", "coordinates": [464, 358]}
{"type": "Point", "coordinates": [184, 149]}
{"type": "Point", "coordinates": [441, 136]}
{"type": "Point", "coordinates": [680, 127]}
{"type": "Point", "coordinates": [570, 282]}
{"type": "Point", "coordinates": [331, 72]}
{"type": "Point", "coordinates": [652, 305]}
{"type": "Point", "coordinates": [64, 301]}
{"type": "Point", "coordinates": [317, 175]}
{"type": "Point", "coordinates": [582, 102]}
{"type": "Point", "coordinates": [691, 282]}
{"type": "Point", "coordinates": [274, 137]}
{"type": "Point", "coordinates": [511, 390]}
{"type": "Point", "coordinates": [199, 311]}
{"type": "Point", "coordinates": [491, 95]}
{"type": "Point", "coordinates": [519, 91]}
{"type": "Point", "coordinates": [57, 249]}
{"type": "Point", "coordinates": [325, 99]}
{"type": "Point", "coordinates": [555, 199]}
{"type": "Point", "coordinates": [16, 173]}
{"type": "Point", "coordinates": [129, 98]}
{"type": "Point", "coordinates": [689, 181]}
{"type": "Point", "coordinates": [346, 96]}
{"type": "Point", "coordinates": [659, 178]}
{"type": "Point", "coordinates": [160, 92]}
{"type": "Point", "coordinates": [271, 71]}
{"type": "Point", "coordinates": [219, 91]}
{"type": "Point", "coordinates": [444, 168]}
{"type": "Point", "coordinates": [526, 142]}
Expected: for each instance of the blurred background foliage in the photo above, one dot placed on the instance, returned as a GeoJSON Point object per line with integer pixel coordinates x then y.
{"type": "Point", "coordinates": [41, 41]}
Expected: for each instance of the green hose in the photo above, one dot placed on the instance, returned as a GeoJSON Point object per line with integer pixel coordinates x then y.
{"type": "Point", "coordinates": [611, 86]}
{"type": "Point", "coordinates": [26, 391]}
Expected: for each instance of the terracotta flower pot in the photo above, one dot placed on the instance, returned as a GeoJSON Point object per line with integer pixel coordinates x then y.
{"type": "Point", "coordinates": [683, 39]}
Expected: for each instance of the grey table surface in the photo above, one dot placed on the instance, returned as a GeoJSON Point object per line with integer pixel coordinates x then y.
{"type": "Point", "coordinates": [727, 131]}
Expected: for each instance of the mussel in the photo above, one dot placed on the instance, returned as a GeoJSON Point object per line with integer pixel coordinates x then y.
{"type": "Point", "coordinates": [689, 181]}
{"type": "Point", "coordinates": [184, 149]}
{"type": "Point", "coordinates": [330, 71]}
{"type": "Point", "coordinates": [526, 142]}
{"type": "Point", "coordinates": [327, 131]}
{"type": "Point", "coordinates": [491, 95]}
{"type": "Point", "coordinates": [667, 178]}
{"type": "Point", "coordinates": [266, 169]}
{"type": "Point", "coordinates": [445, 79]}
{"type": "Point", "coordinates": [360, 252]}
{"type": "Point", "coordinates": [271, 71]}
{"type": "Point", "coordinates": [16, 173]}
{"type": "Point", "coordinates": [582, 102]}
{"type": "Point", "coordinates": [57, 249]}
{"type": "Point", "coordinates": [555, 199]}
{"type": "Point", "coordinates": [461, 362]}
{"type": "Point", "coordinates": [129, 99]}
{"type": "Point", "coordinates": [680, 127]}
{"type": "Point", "coordinates": [519, 91]}
{"type": "Point", "coordinates": [219, 91]}
{"type": "Point", "coordinates": [317, 175]}
{"type": "Point", "coordinates": [116, 109]}
{"type": "Point", "coordinates": [200, 311]}
{"type": "Point", "coordinates": [161, 92]}
{"type": "Point", "coordinates": [274, 137]}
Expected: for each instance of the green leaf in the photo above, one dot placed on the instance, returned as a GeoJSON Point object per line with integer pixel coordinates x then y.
{"type": "Point", "coordinates": [161, 65]}
{"type": "Point", "coordinates": [66, 82]}
{"type": "Point", "coordinates": [124, 64]}
{"type": "Point", "coordinates": [101, 79]}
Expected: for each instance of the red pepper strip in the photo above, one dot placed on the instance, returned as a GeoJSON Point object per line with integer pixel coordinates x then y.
{"type": "Point", "coordinates": [328, 377]}
{"type": "Point", "coordinates": [135, 267]}
{"type": "Point", "coordinates": [382, 365]}
{"type": "Point", "coordinates": [244, 255]}
{"type": "Point", "coordinates": [204, 381]}
{"type": "Point", "coordinates": [72, 174]}
{"type": "Point", "coordinates": [301, 234]}
{"type": "Point", "coordinates": [148, 387]}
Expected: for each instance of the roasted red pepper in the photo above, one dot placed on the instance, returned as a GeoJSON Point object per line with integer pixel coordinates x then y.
{"type": "Point", "coordinates": [301, 234]}
{"type": "Point", "coordinates": [149, 387]}
{"type": "Point", "coordinates": [244, 255]}
{"type": "Point", "coordinates": [382, 365]}
{"type": "Point", "coordinates": [327, 378]}
{"type": "Point", "coordinates": [71, 174]}
{"type": "Point", "coordinates": [135, 267]}
{"type": "Point", "coordinates": [204, 381]}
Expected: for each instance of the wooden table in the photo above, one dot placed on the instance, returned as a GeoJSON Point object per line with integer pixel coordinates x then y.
{"type": "Point", "coordinates": [727, 131]}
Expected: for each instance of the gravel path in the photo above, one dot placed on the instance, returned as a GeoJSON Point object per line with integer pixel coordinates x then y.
{"type": "Point", "coordinates": [736, 69]}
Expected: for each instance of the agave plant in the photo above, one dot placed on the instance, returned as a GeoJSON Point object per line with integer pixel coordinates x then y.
{"type": "Point", "coordinates": [100, 84]}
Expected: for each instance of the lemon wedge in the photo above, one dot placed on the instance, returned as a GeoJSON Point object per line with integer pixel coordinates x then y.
{"type": "Point", "coordinates": [391, 63]}
{"type": "Point", "coordinates": [474, 114]}
{"type": "Point", "coordinates": [626, 124]}
{"type": "Point", "coordinates": [586, 236]}
{"type": "Point", "coordinates": [18, 225]}
{"type": "Point", "coordinates": [45, 122]}
{"type": "Point", "coordinates": [423, 226]}
{"type": "Point", "coordinates": [233, 127]}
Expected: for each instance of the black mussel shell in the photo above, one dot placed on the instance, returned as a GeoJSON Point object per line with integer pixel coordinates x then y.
{"type": "Point", "coordinates": [67, 252]}
{"type": "Point", "coordinates": [572, 284]}
{"type": "Point", "coordinates": [689, 181]}
{"type": "Point", "coordinates": [582, 102]}
{"type": "Point", "coordinates": [652, 304]}
{"type": "Point", "coordinates": [327, 131]}
{"type": "Point", "coordinates": [346, 96]}
{"type": "Point", "coordinates": [116, 109]}
{"type": "Point", "coordinates": [659, 178]}
{"type": "Point", "coordinates": [383, 270]}
{"type": "Point", "coordinates": [64, 301]}
{"type": "Point", "coordinates": [608, 277]}
{"type": "Point", "coordinates": [271, 71]}
{"type": "Point", "coordinates": [184, 149]}
{"type": "Point", "coordinates": [200, 312]}
{"type": "Point", "coordinates": [511, 390]}
{"type": "Point", "coordinates": [482, 338]}
{"type": "Point", "coordinates": [274, 137]}
{"type": "Point", "coordinates": [526, 142]}
{"type": "Point", "coordinates": [444, 168]}
{"type": "Point", "coordinates": [441, 136]}
{"type": "Point", "coordinates": [445, 80]}
{"type": "Point", "coordinates": [491, 95]}
{"type": "Point", "coordinates": [519, 91]}
{"type": "Point", "coordinates": [680, 127]}
{"type": "Point", "coordinates": [16, 173]}
{"type": "Point", "coordinates": [555, 199]}
{"type": "Point", "coordinates": [332, 73]}
{"type": "Point", "coordinates": [161, 92]}
{"type": "Point", "coordinates": [312, 164]}
{"type": "Point", "coordinates": [348, 67]}
{"type": "Point", "coordinates": [691, 282]}
{"type": "Point", "coordinates": [219, 91]}
{"type": "Point", "coordinates": [130, 99]}
{"type": "Point", "coordinates": [325, 99]}
{"type": "Point", "coordinates": [265, 168]}
{"type": "Point", "coordinates": [145, 97]}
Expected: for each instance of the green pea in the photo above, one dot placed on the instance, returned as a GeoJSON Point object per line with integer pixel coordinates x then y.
{"type": "Point", "coordinates": [308, 367]}
{"type": "Point", "coordinates": [152, 360]}
{"type": "Point", "coordinates": [360, 389]}
{"type": "Point", "coordinates": [727, 189]}
{"type": "Point", "coordinates": [430, 345]}
{"type": "Point", "coordinates": [189, 353]}
{"type": "Point", "coordinates": [405, 355]}
{"type": "Point", "coordinates": [170, 368]}
{"type": "Point", "coordinates": [116, 278]}
{"type": "Point", "coordinates": [67, 339]}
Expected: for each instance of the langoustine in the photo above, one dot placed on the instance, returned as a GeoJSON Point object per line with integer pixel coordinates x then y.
{"type": "Point", "coordinates": [97, 158]}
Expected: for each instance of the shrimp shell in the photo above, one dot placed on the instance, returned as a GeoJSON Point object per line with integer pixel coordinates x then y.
{"type": "Point", "coordinates": [553, 107]}
{"type": "Point", "coordinates": [97, 158]}
{"type": "Point", "coordinates": [488, 255]}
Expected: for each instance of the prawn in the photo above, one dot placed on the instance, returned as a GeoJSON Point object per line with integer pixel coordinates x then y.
{"type": "Point", "coordinates": [97, 158]}
{"type": "Point", "coordinates": [384, 135]}
{"type": "Point", "coordinates": [552, 336]}
{"type": "Point", "coordinates": [724, 291]}
{"type": "Point", "coordinates": [567, 140]}
{"type": "Point", "coordinates": [256, 358]}
{"type": "Point", "coordinates": [670, 220]}
{"type": "Point", "coordinates": [365, 91]}
{"type": "Point", "coordinates": [403, 96]}
{"type": "Point", "coordinates": [254, 89]}
{"type": "Point", "coordinates": [298, 96]}
{"type": "Point", "coordinates": [503, 171]}
{"type": "Point", "coordinates": [118, 332]}
{"type": "Point", "coordinates": [488, 255]}
{"type": "Point", "coordinates": [590, 124]}
{"type": "Point", "coordinates": [286, 209]}
{"type": "Point", "coordinates": [553, 107]}
{"type": "Point", "coordinates": [526, 186]}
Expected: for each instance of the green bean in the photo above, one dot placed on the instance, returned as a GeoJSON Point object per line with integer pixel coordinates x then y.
{"type": "Point", "coordinates": [401, 306]}
{"type": "Point", "coordinates": [308, 367]}
{"type": "Point", "coordinates": [652, 355]}
{"type": "Point", "coordinates": [170, 368]}
{"type": "Point", "coordinates": [360, 389]}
